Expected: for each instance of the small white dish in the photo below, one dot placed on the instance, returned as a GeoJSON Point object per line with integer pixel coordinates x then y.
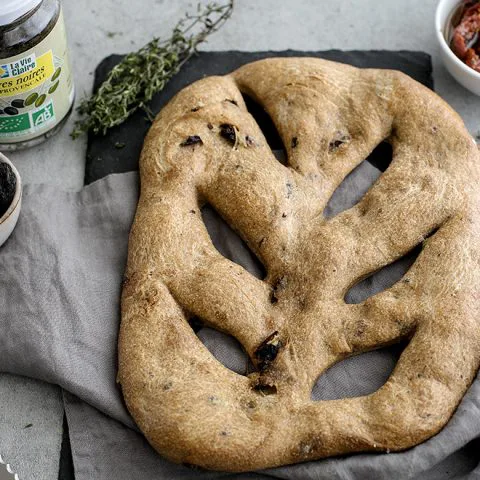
{"type": "Point", "coordinates": [464, 75]}
{"type": "Point", "coordinates": [9, 219]}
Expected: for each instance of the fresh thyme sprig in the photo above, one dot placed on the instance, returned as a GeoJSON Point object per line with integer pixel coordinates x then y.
{"type": "Point", "coordinates": [131, 84]}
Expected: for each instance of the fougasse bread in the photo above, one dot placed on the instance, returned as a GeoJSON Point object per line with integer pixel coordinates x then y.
{"type": "Point", "coordinates": [205, 147]}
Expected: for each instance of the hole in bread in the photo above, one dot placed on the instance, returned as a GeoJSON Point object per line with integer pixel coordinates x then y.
{"type": "Point", "coordinates": [381, 156]}
{"type": "Point", "coordinates": [266, 389]}
{"type": "Point", "coordinates": [382, 279]}
{"type": "Point", "coordinates": [195, 323]}
{"type": "Point", "coordinates": [357, 183]}
{"type": "Point", "coordinates": [386, 276]}
{"type": "Point", "coordinates": [229, 243]}
{"type": "Point", "coordinates": [358, 375]}
{"type": "Point", "coordinates": [267, 127]}
{"type": "Point", "coordinates": [226, 349]}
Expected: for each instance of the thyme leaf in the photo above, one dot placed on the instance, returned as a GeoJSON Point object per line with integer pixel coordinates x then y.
{"type": "Point", "coordinates": [133, 82]}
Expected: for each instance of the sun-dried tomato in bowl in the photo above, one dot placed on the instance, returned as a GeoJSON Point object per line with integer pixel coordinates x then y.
{"type": "Point", "coordinates": [466, 36]}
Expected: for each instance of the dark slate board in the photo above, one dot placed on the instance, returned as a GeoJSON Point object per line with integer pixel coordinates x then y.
{"type": "Point", "coordinates": [104, 158]}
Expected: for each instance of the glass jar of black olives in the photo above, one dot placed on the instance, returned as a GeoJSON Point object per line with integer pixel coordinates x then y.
{"type": "Point", "coordinates": [36, 87]}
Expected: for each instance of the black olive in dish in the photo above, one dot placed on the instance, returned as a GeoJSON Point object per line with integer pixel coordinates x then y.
{"type": "Point", "coordinates": [8, 185]}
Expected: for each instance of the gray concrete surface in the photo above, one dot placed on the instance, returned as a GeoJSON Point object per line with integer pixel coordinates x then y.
{"type": "Point", "coordinates": [31, 415]}
{"type": "Point", "coordinates": [98, 28]}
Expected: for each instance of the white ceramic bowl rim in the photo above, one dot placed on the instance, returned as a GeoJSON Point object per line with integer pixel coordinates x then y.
{"type": "Point", "coordinates": [440, 32]}
{"type": "Point", "coordinates": [18, 189]}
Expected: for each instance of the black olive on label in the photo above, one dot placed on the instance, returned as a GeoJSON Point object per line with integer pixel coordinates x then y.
{"type": "Point", "coordinates": [31, 99]}
{"type": "Point", "coordinates": [1, 111]}
{"type": "Point", "coordinates": [39, 101]}
{"type": "Point", "coordinates": [11, 111]}
{"type": "Point", "coordinates": [18, 103]}
{"type": "Point", "coordinates": [56, 74]}
{"type": "Point", "coordinates": [53, 87]}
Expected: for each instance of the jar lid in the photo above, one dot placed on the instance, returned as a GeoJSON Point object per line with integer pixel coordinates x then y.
{"type": "Point", "coordinates": [13, 9]}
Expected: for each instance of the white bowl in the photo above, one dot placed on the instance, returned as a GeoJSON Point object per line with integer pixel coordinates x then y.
{"type": "Point", "coordinates": [9, 219]}
{"type": "Point", "coordinates": [464, 75]}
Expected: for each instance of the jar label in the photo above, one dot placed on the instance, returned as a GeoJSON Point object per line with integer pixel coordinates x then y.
{"type": "Point", "coordinates": [36, 88]}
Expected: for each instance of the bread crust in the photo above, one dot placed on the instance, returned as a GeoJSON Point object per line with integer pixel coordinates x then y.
{"type": "Point", "coordinates": [330, 116]}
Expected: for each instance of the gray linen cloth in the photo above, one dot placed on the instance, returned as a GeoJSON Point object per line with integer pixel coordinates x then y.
{"type": "Point", "coordinates": [59, 318]}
